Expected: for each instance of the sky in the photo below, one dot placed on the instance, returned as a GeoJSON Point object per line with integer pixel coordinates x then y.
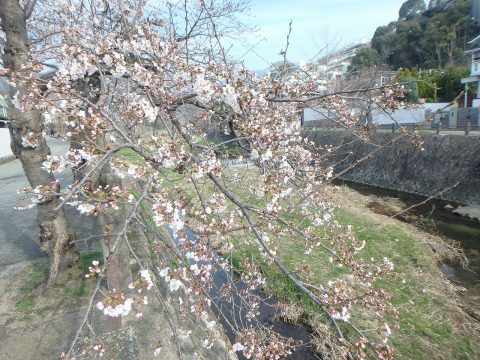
{"type": "Point", "coordinates": [318, 26]}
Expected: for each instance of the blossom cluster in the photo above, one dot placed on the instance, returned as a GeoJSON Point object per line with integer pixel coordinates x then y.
{"type": "Point", "coordinates": [103, 197]}
{"type": "Point", "coordinates": [143, 283]}
{"type": "Point", "coordinates": [42, 194]}
{"type": "Point", "coordinates": [115, 304]}
{"type": "Point", "coordinates": [72, 158]}
{"type": "Point", "coordinates": [97, 348]}
{"type": "Point", "coordinates": [31, 140]}
{"type": "Point", "coordinates": [94, 269]}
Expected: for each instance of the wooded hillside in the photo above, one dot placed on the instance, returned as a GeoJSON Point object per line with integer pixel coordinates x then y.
{"type": "Point", "coordinates": [428, 37]}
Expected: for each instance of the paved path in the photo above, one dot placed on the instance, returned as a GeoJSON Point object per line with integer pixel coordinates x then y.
{"type": "Point", "coordinates": [18, 229]}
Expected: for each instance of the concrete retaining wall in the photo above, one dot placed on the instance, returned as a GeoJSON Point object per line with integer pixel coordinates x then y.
{"type": "Point", "coordinates": [445, 160]}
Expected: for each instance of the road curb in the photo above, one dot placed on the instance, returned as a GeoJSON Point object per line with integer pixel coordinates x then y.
{"type": "Point", "coordinates": [6, 159]}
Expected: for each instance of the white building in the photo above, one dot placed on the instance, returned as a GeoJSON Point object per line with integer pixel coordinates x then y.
{"type": "Point", "coordinates": [419, 114]}
{"type": "Point", "coordinates": [474, 77]}
{"type": "Point", "coordinates": [334, 67]}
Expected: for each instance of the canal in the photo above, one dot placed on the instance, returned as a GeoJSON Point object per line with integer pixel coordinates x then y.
{"type": "Point", "coordinates": [440, 217]}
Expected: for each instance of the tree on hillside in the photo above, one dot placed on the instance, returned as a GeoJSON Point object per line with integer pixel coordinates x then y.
{"type": "Point", "coordinates": [410, 9]}
{"type": "Point", "coordinates": [408, 36]}
{"type": "Point", "coordinates": [426, 82]}
{"type": "Point", "coordinates": [437, 85]}
{"type": "Point", "coordinates": [449, 84]}
{"type": "Point", "coordinates": [437, 3]}
{"type": "Point", "coordinates": [434, 38]}
{"type": "Point", "coordinates": [383, 42]}
{"type": "Point", "coordinates": [363, 59]}
{"type": "Point", "coordinates": [145, 63]}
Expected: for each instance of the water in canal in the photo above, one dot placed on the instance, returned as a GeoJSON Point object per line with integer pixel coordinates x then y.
{"type": "Point", "coordinates": [233, 312]}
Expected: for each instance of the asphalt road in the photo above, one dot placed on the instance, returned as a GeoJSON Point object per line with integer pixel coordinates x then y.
{"type": "Point", "coordinates": [18, 228]}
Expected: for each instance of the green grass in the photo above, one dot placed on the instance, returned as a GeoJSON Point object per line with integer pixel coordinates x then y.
{"type": "Point", "coordinates": [24, 305]}
{"type": "Point", "coordinates": [386, 240]}
{"type": "Point", "coordinates": [75, 292]}
{"type": "Point", "coordinates": [77, 288]}
{"type": "Point", "coordinates": [227, 150]}
{"type": "Point", "coordinates": [129, 155]}
{"type": "Point", "coordinates": [87, 258]}
{"type": "Point", "coordinates": [44, 310]}
{"type": "Point", "coordinates": [37, 273]}
{"type": "Point", "coordinates": [429, 322]}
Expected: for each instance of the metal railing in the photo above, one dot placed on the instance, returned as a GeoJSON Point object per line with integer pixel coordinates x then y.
{"type": "Point", "coordinates": [426, 129]}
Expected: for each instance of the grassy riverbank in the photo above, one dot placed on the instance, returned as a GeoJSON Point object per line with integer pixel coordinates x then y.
{"type": "Point", "coordinates": [432, 324]}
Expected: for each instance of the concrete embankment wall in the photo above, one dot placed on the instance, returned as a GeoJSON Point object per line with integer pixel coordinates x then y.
{"type": "Point", "coordinates": [445, 160]}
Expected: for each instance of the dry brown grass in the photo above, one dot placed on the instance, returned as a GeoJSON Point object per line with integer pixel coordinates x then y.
{"type": "Point", "coordinates": [289, 313]}
{"type": "Point", "coordinates": [324, 339]}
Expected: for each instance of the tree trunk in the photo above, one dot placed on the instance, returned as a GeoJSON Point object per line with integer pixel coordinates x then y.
{"type": "Point", "coordinates": [55, 235]}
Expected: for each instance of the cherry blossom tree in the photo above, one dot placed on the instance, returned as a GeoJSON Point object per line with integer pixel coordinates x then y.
{"type": "Point", "coordinates": [129, 76]}
{"type": "Point", "coordinates": [29, 145]}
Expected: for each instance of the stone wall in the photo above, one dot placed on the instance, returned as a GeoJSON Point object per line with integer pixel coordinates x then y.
{"type": "Point", "coordinates": [445, 160]}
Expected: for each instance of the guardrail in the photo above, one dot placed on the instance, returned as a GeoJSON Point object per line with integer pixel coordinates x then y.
{"type": "Point", "coordinates": [436, 129]}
